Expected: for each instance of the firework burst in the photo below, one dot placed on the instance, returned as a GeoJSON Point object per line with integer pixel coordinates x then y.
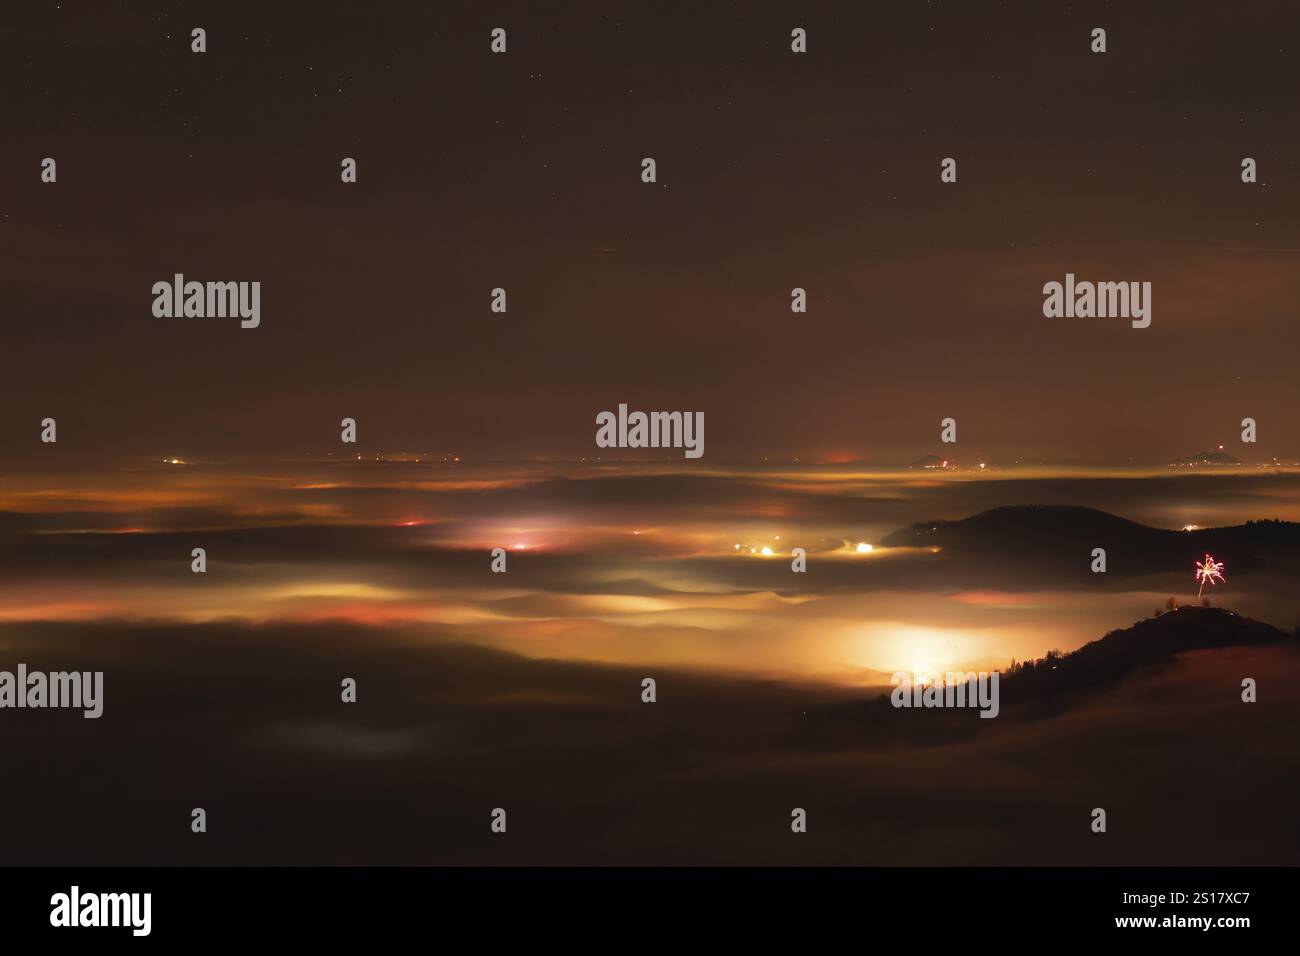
{"type": "Point", "coordinates": [1208, 570]}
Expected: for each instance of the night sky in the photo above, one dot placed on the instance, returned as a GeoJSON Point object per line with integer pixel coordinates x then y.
{"type": "Point", "coordinates": [775, 170]}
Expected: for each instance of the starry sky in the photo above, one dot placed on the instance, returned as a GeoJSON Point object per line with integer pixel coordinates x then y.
{"type": "Point", "coordinates": [775, 170]}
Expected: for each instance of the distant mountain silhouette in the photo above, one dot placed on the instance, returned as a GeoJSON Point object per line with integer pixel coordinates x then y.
{"type": "Point", "coordinates": [1064, 536]}
{"type": "Point", "coordinates": [932, 461]}
{"type": "Point", "coordinates": [1208, 458]}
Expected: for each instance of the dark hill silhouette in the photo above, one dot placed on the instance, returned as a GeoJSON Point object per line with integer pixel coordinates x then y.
{"type": "Point", "coordinates": [1055, 678]}
{"type": "Point", "coordinates": [1059, 535]}
{"type": "Point", "coordinates": [1058, 682]}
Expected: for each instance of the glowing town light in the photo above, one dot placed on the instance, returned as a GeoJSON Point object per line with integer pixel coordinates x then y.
{"type": "Point", "coordinates": [1208, 570]}
{"type": "Point", "coordinates": [864, 548]}
{"type": "Point", "coordinates": [766, 552]}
